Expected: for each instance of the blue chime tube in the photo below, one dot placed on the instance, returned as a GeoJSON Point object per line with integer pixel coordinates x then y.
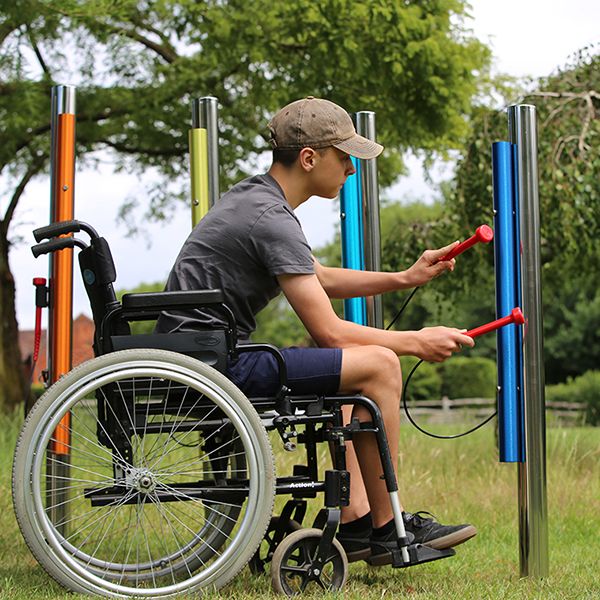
{"type": "Point", "coordinates": [352, 228]}
{"type": "Point", "coordinates": [506, 254]}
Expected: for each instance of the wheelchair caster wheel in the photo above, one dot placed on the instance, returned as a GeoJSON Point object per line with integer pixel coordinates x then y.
{"type": "Point", "coordinates": [294, 568]}
{"type": "Point", "coordinates": [265, 551]}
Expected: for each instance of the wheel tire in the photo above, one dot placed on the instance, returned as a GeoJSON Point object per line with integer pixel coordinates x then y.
{"type": "Point", "coordinates": [294, 558]}
{"type": "Point", "coordinates": [153, 480]}
{"type": "Point", "coordinates": [264, 553]}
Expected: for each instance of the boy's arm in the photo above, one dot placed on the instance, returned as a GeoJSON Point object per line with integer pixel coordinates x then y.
{"type": "Point", "coordinates": [349, 283]}
{"type": "Point", "coordinates": [309, 300]}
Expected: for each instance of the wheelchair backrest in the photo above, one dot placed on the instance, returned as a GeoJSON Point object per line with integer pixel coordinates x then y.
{"type": "Point", "coordinates": [112, 318]}
{"type": "Point", "coordinates": [99, 273]}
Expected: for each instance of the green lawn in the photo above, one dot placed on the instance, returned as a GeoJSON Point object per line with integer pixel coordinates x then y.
{"type": "Point", "coordinates": [456, 480]}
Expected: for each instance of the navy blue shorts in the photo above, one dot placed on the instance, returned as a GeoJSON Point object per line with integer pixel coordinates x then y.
{"type": "Point", "coordinates": [309, 371]}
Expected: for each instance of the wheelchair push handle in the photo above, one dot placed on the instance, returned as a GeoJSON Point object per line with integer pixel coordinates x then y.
{"type": "Point", "coordinates": [483, 234]}
{"type": "Point", "coordinates": [516, 317]}
{"type": "Point", "coordinates": [62, 228]}
{"type": "Point", "coordinates": [55, 229]}
{"type": "Point", "coordinates": [56, 244]}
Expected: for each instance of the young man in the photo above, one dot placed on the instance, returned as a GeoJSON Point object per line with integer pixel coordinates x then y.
{"type": "Point", "coordinates": [251, 246]}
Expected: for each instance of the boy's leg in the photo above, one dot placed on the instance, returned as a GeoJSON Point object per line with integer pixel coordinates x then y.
{"type": "Point", "coordinates": [374, 372]}
{"type": "Point", "coordinates": [359, 506]}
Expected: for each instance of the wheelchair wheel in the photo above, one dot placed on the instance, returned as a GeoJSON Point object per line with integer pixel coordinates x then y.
{"type": "Point", "coordinates": [294, 570]}
{"type": "Point", "coordinates": [143, 473]}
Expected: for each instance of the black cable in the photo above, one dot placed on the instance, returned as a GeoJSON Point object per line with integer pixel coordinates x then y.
{"type": "Point", "coordinates": [405, 387]}
{"type": "Point", "coordinates": [434, 435]}
{"type": "Point", "coordinates": [403, 307]}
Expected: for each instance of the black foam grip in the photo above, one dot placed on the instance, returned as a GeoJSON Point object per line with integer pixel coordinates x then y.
{"type": "Point", "coordinates": [52, 245]}
{"type": "Point", "coordinates": [54, 229]}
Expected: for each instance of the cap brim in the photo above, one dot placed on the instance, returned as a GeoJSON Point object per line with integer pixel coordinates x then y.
{"type": "Point", "coordinates": [360, 147]}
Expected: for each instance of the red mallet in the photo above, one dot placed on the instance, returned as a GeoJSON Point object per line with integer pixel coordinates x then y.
{"type": "Point", "coordinates": [516, 317]}
{"type": "Point", "coordinates": [483, 234]}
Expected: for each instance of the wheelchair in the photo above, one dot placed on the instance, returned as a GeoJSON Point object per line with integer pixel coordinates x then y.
{"type": "Point", "coordinates": [145, 472]}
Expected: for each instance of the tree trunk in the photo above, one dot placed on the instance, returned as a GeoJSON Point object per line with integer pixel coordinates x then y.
{"type": "Point", "coordinates": [13, 385]}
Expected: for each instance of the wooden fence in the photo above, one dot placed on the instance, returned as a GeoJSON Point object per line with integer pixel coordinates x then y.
{"type": "Point", "coordinates": [446, 410]}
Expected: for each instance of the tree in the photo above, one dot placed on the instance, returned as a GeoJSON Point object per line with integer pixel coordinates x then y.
{"type": "Point", "coordinates": [138, 64]}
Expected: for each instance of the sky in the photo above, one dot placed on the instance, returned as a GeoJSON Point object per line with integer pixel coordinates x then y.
{"type": "Point", "coordinates": [528, 38]}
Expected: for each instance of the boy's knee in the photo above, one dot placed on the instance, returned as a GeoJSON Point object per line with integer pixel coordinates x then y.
{"type": "Point", "coordinates": [386, 362]}
{"type": "Point", "coordinates": [385, 366]}
{"type": "Point", "coordinates": [368, 369]}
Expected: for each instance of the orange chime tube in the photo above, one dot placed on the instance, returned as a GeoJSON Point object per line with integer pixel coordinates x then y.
{"type": "Point", "coordinates": [61, 279]}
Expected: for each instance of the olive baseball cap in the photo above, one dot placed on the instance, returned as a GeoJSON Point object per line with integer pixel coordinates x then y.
{"type": "Point", "coordinates": [318, 123]}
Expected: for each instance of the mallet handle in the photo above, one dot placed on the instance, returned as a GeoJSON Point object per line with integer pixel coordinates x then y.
{"type": "Point", "coordinates": [483, 234]}
{"type": "Point", "coordinates": [516, 317]}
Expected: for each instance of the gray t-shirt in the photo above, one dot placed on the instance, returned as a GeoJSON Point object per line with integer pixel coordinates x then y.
{"type": "Point", "coordinates": [249, 237]}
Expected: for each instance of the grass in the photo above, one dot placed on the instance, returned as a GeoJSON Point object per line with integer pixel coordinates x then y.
{"type": "Point", "coordinates": [456, 480]}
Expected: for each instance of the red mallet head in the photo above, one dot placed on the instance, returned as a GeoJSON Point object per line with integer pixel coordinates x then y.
{"type": "Point", "coordinates": [484, 233]}
{"type": "Point", "coordinates": [517, 315]}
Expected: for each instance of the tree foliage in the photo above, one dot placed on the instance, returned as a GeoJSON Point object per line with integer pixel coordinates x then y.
{"type": "Point", "coordinates": [139, 63]}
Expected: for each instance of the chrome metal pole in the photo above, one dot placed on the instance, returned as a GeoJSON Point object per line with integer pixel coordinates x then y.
{"type": "Point", "coordinates": [533, 507]}
{"type": "Point", "coordinates": [205, 115]}
{"type": "Point", "coordinates": [365, 126]}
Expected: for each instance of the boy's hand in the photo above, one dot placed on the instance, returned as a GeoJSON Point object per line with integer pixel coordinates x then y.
{"type": "Point", "coordinates": [429, 265]}
{"type": "Point", "coordinates": [438, 343]}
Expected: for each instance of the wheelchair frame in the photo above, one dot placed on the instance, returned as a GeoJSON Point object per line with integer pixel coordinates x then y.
{"type": "Point", "coordinates": [143, 387]}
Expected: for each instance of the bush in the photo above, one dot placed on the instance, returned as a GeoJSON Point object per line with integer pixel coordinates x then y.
{"type": "Point", "coordinates": [464, 377]}
{"type": "Point", "coordinates": [425, 384]}
{"type": "Point", "coordinates": [584, 389]}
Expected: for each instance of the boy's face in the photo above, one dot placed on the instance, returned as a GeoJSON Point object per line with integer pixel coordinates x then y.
{"type": "Point", "coordinates": [330, 172]}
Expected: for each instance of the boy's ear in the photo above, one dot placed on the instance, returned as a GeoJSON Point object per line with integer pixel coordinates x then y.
{"type": "Point", "coordinates": [307, 159]}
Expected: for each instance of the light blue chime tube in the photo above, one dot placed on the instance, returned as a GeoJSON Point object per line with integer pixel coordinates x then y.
{"type": "Point", "coordinates": [352, 229]}
{"type": "Point", "coordinates": [508, 296]}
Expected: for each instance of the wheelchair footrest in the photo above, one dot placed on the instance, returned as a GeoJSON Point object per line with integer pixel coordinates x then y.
{"type": "Point", "coordinates": [419, 554]}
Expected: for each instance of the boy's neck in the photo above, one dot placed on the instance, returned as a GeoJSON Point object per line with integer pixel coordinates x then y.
{"type": "Point", "coordinates": [292, 183]}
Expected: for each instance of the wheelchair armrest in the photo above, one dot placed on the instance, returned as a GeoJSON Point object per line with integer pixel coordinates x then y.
{"type": "Point", "coordinates": [171, 300]}
{"type": "Point", "coordinates": [283, 404]}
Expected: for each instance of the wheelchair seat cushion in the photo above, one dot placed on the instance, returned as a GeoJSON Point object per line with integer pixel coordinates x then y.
{"type": "Point", "coordinates": [309, 370]}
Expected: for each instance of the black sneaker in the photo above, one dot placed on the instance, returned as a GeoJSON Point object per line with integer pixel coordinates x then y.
{"type": "Point", "coordinates": [357, 546]}
{"type": "Point", "coordinates": [429, 532]}
{"type": "Point", "coordinates": [381, 547]}
{"type": "Point", "coordinates": [354, 537]}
